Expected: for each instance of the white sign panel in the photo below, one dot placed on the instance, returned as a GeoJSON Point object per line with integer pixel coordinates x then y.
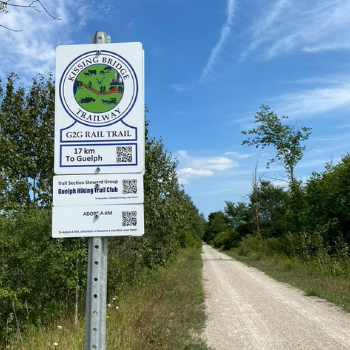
{"type": "Point", "coordinates": [98, 221]}
{"type": "Point", "coordinates": [99, 109]}
{"type": "Point", "coordinates": [86, 190]}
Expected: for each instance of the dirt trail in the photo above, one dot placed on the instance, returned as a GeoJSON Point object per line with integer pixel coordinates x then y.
{"type": "Point", "coordinates": [249, 310]}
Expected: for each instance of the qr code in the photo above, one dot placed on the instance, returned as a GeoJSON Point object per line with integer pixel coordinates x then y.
{"type": "Point", "coordinates": [130, 186]}
{"type": "Point", "coordinates": [129, 218]}
{"type": "Point", "coordinates": [124, 154]}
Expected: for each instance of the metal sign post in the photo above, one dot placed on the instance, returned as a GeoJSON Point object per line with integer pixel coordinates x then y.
{"type": "Point", "coordinates": [96, 294]}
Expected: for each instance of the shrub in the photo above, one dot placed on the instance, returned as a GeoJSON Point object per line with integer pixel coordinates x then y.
{"type": "Point", "coordinates": [37, 272]}
{"type": "Point", "coordinates": [250, 244]}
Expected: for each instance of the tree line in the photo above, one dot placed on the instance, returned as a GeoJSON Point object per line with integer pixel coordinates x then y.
{"type": "Point", "coordinates": [309, 220]}
{"type": "Point", "coordinates": [41, 277]}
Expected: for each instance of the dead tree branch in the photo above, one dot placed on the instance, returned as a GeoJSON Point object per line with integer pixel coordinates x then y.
{"type": "Point", "coordinates": [36, 5]}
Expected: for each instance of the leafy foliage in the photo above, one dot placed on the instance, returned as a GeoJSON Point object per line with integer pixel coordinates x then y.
{"type": "Point", "coordinates": [238, 215]}
{"type": "Point", "coordinates": [217, 223]}
{"type": "Point", "coordinates": [37, 273]}
{"type": "Point", "coordinates": [328, 197]}
{"type": "Point", "coordinates": [286, 139]}
{"type": "Point", "coordinates": [26, 143]}
{"type": "Point", "coordinates": [272, 209]}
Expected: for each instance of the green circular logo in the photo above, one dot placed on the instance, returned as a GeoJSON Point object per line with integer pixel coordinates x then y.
{"type": "Point", "coordinates": [98, 88]}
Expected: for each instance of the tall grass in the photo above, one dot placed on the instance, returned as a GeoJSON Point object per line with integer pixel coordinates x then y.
{"type": "Point", "coordinates": [166, 312]}
{"type": "Point", "coordinates": [162, 311]}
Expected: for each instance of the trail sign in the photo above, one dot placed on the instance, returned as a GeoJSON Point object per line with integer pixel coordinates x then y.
{"type": "Point", "coordinates": [97, 221]}
{"type": "Point", "coordinates": [99, 109]}
{"type": "Point", "coordinates": [101, 189]}
{"type": "Point", "coordinates": [99, 157]}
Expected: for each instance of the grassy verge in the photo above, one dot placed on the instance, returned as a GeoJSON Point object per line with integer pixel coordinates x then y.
{"type": "Point", "coordinates": [335, 289]}
{"type": "Point", "coordinates": [165, 312]}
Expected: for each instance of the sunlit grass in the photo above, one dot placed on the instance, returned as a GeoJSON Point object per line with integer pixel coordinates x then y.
{"type": "Point", "coordinates": [165, 311]}
{"type": "Point", "coordinates": [61, 335]}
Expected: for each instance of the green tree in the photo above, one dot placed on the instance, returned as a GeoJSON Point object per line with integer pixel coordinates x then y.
{"type": "Point", "coordinates": [286, 139]}
{"type": "Point", "coordinates": [267, 205]}
{"type": "Point", "coordinates": [161, 186]}
{"type": "Point", "coordinates": [328, 197]}
{"type": "Point", "coordinates": [272, 202]}
{"type": "Point", "coordinates": [217, 223]}
{"type": "Point", "coordinates": [238, 215]}
{"type": "Point", "coordinates": [26, 142]}
{"type": "Point", "coordinates": [191, 223]}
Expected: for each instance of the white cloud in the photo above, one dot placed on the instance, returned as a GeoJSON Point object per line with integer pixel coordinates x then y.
{"type": "Point", "coordinates": [216, 51]}
{"type": "Point", "coordinates": [261, 27]}
{"type": "Point", "coordinates": [310, 26]}
{"type": "Point", "coordinates": [239, 155]}
{"type": "Point", "coordinates": [180, 87]}
{"type": "Point", "coordinates": [214, 164]}
{"type": "Point", "coordinates": [310, 102]}
{"type": "Point", "coordinates": [32, 50]}
{"type": "Point", "coordinates": [342, 126]}
{"type": "Point", "coordinates": [187, 173]}
{"type": "Point", "coordinates": [201, 167]}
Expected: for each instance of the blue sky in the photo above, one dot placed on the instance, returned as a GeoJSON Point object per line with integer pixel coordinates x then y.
{"type": "Point", "coordinates": [209, 66]}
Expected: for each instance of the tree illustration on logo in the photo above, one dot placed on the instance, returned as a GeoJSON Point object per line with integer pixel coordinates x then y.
{"type": "Point", "coordinates": [98, 88]}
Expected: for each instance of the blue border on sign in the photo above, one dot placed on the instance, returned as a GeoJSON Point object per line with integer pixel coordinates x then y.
{"type": "Point", "coordinates": [102, 165]}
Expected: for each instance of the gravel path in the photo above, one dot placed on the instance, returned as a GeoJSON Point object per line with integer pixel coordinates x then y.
{"type": "Point", "coordinates": [249, 310]}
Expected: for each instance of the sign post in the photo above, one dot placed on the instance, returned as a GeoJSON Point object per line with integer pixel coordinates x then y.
{"type": "Point", "coordinates": [99, 157]}
{"type": "Point", "coordinates": [96, 292]}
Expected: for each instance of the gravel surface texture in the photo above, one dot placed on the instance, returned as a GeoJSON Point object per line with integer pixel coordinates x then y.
{"type": "Point", "coordinates": [246, 309]}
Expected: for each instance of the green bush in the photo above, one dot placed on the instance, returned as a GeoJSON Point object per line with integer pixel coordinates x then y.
{"type": "Point", "coordinates": [37, 272]}
{"type": "Point", "coordinates": [250, 244]}
{"type": "Point", "coordinates": [226, 240]}
{"type": "Point", "coordinates": [310, 250]}
{"type": "Point", "coordinates": [188, 239]}
{"type": "Point", "coordinates": [272, 246]}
